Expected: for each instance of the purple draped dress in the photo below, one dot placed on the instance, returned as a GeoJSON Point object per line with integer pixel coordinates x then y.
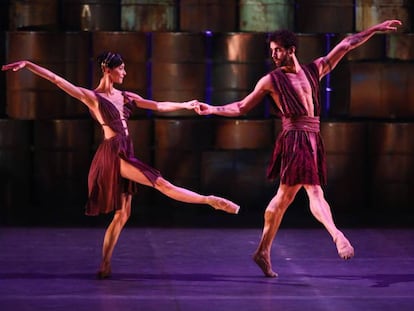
{"type": "Point", "coordinates": [105, 183]}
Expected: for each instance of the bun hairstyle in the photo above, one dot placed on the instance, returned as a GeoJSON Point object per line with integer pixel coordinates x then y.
{"type": "Point", "coordinates": [109, 60]}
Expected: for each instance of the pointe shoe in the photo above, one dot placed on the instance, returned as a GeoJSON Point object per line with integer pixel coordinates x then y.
{"type": "Point", "coordinates": [344, 247]}
{"type": "Point", "coordinates": [264, 264]}
{"type": "Point", "coordinates": [223, 204]}
{"type": "Point", "coordinates": [104, 271]}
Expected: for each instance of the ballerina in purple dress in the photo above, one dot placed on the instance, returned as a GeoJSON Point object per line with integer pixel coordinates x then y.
{"type": "Point", "coordinates": [115, 172]}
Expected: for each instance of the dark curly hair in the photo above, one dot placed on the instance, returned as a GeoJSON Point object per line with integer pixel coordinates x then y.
{"type": "Point", "coordinates": [285, 38]}
{"type": "Point", "coordinates": [109, 60]}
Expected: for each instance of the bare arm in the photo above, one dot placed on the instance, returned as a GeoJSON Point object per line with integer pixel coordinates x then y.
{"type": "Point", "coordinates": [82, 94]}
{"type": "Point", "coordinates": [161, 106]}
{"type": "Point", "coordinates": [329, 62]}
{"type": "Point", "coordinates": [241, 107]}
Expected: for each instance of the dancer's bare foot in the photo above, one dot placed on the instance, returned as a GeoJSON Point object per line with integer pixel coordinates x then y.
{"type": "Point", "coordinates": [223, 204]}
{"type": "Point", "coordinates": [263, 261]}
{"type": "Point", "coordinates": [344, 247]}
{"type": "Point", "coordinates": [104, 271]}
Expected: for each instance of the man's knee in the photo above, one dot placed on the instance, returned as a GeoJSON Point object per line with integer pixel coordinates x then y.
{"type": "Point", "coordinates": [122, 216]}
{"type": "Point", "coordinates": [314, 191]}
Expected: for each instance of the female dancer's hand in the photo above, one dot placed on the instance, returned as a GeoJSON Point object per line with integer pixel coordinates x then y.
{"type": "Point", "coordinates": [192, 104]}
{"type": "Point", "coordinates": [14, 66]}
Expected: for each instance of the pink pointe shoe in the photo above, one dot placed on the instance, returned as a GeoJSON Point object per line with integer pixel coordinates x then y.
{"type": "Point", "coordinates": [223, 204]}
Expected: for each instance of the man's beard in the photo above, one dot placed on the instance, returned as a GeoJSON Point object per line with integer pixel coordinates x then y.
{"type": "Point", "coordinates": [282, 62]}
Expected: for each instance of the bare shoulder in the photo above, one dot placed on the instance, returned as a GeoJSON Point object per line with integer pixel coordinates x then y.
{"type": "Point", "coordinates": [265, 83]}
{"type": "Point", "coordinates": [133, 96]}
{"type": "Point", "coordinates": [89, 98]}
{"type": "Point", "coordinates": [323, 65]}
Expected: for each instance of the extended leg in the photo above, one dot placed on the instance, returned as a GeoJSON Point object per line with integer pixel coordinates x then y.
{"type": "Point", "coordinates": [272, 219]}
{"type": "Point", "coordinates": [111, 236]}
{"type": "Point", "coordinates": [322, 212]}
{"type": "Point", "coordinates": [178, 193]}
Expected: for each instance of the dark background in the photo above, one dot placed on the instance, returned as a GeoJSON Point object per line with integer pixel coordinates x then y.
{"type": "Point", "coordinates": [214, 51]}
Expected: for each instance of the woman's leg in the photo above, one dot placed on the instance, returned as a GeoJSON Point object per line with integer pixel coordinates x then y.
{"type": "Point", "coordinates": [112, 234]}
{"type": "Point", "coordinates": [177, 193]}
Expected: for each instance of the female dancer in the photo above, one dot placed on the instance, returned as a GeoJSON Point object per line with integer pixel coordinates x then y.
{"type": "Point", "coordinates": [115, 171]}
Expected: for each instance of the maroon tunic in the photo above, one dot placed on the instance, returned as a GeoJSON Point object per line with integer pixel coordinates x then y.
{"type": "Point", "coordinates": [299, 155]}
{"type": "Point", "coordinates": [105, 183]}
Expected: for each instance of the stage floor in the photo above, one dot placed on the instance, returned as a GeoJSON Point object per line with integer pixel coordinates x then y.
{"type": "Point", "coordinates": [204, 269]}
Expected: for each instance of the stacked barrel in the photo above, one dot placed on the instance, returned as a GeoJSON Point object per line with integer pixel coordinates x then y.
{"type": "Point", "coordinates": [214, 51]}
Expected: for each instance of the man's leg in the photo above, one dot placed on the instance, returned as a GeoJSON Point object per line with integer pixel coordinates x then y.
{"type": "Point", "coordinates": [272, 219]}
{"type": "Point", "coordinates": [322, 212]}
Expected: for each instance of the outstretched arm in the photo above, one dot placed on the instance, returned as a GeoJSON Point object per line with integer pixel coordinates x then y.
{"type": "Point", "coordinates": [241, 107]}
{"type": "Point", "coordinates": [327, 63]}
{"type": "Point", "coordinates": [77, 92]}
{"type": "Point", "coordinates": [161, 106]}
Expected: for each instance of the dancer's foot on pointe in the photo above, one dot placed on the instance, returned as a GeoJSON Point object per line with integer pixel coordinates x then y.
{"type": "Point", "coordinates": [104, 271]}
{"type": "Point", "coordinates": [223, 204]}
{"type": "Point", "coordinates": [344, 247]}
{"type": "Point", "coordinates": [263, 262]}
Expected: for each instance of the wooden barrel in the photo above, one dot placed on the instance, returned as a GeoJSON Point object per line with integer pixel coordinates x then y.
{"type": "Point", "coordinates": [15, 171]}
{"type": "Point", "coordinates": [208, 15]}
{"type": "Point", "coordinates": [179, 145]}
{"type": "Point", "coordinates": [266, 15]}
{"type": "Point", "coordinates": [3, 76]}
{"type": "Point", "coordinates": [371, 12]}
{"type": "Point", "coordinates": [179, 74]}
{"type": "Point", "coordinates": [381, 90]}
{"type": "Point", "coordinates": [400, 47]}
{"type": "Point", "coordinates": [31, 97]}
{"type": "Point", "coordinates": [62, 156]}
{"type": "Point", "coordinates": [311, 46]}
{"type": "Point", "coordinates": [91, 15]}
{"type": "Point", "coordinates": [337, 97]}
{"type": "Point", "coordinates": [325, 16]}
{"type": "Point", "coordinates": [339, 83]}
{"type": "Point", "coordinates": [243, 134]}
{"type": "Point", "coordinates": [239, 175]}
{"type": "Point", "coordinates": [391, 163]}
{"type": "Point", "coordinates": [133, 48]}
{"type": "Point", "coordinates": [238, 62]}
{"type": "Point", "coordinates": [4, 16]}
{"type": "Point", "coordinates": [396, 89]}
{"type": "Point", "coordinates": [183, 134]}
{"type": "Point", "coordinates": [346, 156]}
{"type": "Point", "coordinates": [34, 15]}
{"type": "Point", "coordinates": [141, 132]}
{"type": "Point", "coordinates": [372, 50]}
{"type": "Point", "coordinates": [148, 15]}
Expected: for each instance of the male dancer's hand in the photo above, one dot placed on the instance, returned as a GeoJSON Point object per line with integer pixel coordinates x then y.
{"type": "Point", "coordinates": [389, 25]}
{"type": "Point", "coordinates": [203, 109]}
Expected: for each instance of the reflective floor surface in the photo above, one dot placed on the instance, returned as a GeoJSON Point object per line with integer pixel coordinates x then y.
{"type": "Point", "coordinates": [204, 269]}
